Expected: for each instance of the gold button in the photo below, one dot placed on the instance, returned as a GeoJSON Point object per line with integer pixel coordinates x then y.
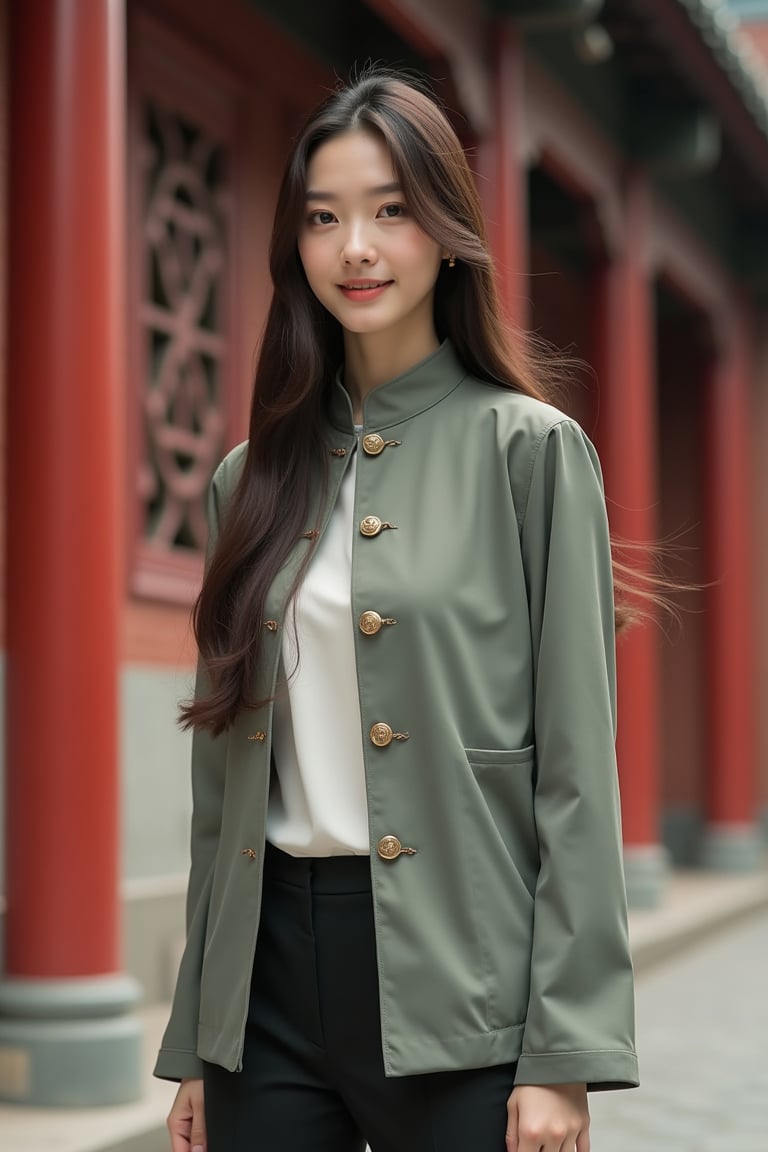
{"type": "Point", "coordinates": [372, 525]}
{"type": "Point", "coordinates": [389, 847]}
{"type": "Point", "coordinates": [271, 625]}
{"type": "Point", "coordinates": [370, 623]}
{"type": "Point", "coordinates": [260, 736]}
{"type": "Point", "coordinates": [381, 735]}
{"type": "Point", "coordinates": [373, 444]}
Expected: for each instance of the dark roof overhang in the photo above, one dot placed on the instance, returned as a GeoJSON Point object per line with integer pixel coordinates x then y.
{"type": "Point", "coordinates": [690, 47]}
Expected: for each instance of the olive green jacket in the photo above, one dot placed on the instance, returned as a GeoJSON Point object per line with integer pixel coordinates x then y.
{"type": "Point", "coordinates": [501, 926]}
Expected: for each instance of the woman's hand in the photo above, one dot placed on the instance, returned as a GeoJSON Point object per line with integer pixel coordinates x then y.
{"type": "Point", "coordinates": [548, 1119]}
{"type": "Point", "coordinates": [186, 1119]}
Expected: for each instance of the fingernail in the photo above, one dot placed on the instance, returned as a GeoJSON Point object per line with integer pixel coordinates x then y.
{"type": "Point", "coordinates": [198, 1148]}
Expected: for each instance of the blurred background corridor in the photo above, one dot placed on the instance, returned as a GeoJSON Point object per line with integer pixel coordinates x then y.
{"type": "Point", "coordinates": [621, 153]}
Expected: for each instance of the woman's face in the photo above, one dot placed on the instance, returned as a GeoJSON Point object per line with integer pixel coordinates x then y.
{"type": "Point", "coordinates": [365, 258]}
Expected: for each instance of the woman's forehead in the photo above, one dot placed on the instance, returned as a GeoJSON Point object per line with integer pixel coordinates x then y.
{"type": "Point", "coordinates": [356, 162]}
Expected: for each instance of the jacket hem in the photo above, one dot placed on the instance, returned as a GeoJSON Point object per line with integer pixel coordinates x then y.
{"type": "Point", "coordinates": [599, 1070]}
{"type": "Point", "coordinates": [414, 1055]}
{"type": "Point", "coordinates": [176, 1064]}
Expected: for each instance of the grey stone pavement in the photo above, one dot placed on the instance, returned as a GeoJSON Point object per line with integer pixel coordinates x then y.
{"type": "Point", "coordinates": [702, 1031]}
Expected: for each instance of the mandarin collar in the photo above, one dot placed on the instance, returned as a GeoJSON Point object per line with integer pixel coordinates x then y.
{"type": "Point", "coordinates": [404, 396]}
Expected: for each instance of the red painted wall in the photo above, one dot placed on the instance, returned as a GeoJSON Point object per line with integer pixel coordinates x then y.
{"type": "Point", "coordinates": [681, 384]}
{"type": "Point", "coordinates": [760, 556]}
{"type": "Point", "coordinates": [3, 224]}
{"type": "Point", "coordinates": [274, 97]}
{"type": "Point", "coordinates": [560, 313]}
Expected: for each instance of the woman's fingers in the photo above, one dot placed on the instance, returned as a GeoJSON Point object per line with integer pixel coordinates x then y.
{"type": "Point", "coordinates": [582, 1141]}
{"type": "Point", "coordinates": [198, 1140]}
{"type": "Point", "coordinates": [186, 1119]}
{"type": "Point", "coordinates": [513, 1144]}
{"type": "Point", "coordinates": [548, 1119]}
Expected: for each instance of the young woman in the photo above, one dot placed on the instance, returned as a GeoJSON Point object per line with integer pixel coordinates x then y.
{"type": "Point", "coordinates": [406, 914]}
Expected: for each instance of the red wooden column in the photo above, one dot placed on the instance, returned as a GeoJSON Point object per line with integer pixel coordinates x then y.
{"type": "Point", "coordinates": [627, 442]}
{"type": "Point", "coordinates": [731, 838]}
{"type": "Point", "coordinates": [503, 174]}
{"type": "Point", "coordinates": [65, 520]}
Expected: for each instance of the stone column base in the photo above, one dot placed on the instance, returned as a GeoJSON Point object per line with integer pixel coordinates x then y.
{"type": "Point", "coordinates": [731, 847]}
{"type": "Point", "coordinates": [645, 869]}
{"type": "Point", "coordinates": [69, 1042]}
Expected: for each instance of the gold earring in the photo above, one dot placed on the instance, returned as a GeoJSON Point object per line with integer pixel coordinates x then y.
{"type": "Point", "coordinates": [451, 261]}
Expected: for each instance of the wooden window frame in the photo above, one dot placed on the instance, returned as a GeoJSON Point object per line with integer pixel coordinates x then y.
{"type": "Point", "coordinates": [166, 69]}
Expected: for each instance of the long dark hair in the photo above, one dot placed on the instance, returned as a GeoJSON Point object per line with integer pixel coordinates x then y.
{"type": "Point", "coordinates": [302, 348]}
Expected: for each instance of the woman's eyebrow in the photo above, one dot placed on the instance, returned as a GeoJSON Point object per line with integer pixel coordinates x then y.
{"type": "Point", "coordinates": [379, 190]}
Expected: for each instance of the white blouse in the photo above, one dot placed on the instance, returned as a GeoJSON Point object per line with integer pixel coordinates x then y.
{"type": "Point", "coordinates": [317, 801]}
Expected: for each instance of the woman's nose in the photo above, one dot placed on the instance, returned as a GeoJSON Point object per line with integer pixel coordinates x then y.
{"type": "Point", "coordinates": [358, 246]}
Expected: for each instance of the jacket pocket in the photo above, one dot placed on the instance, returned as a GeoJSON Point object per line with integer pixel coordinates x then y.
{"type": "Point", "coordinates": [505, 865]}
{"type": "Point", "coordinates": [500, 757]}
{"type": "Point", "coordinates": [505, 781]}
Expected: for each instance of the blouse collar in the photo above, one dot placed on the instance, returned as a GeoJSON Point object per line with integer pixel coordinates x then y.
{"type": "Point", "coordinates": [422, 386]}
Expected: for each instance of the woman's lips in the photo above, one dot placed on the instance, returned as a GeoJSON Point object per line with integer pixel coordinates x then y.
{"type": "Point", "coordinates": [362, 292]}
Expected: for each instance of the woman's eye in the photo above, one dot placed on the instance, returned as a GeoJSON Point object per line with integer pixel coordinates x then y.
{"type": "Point", "coordinates": [321, 216]}
{"type": "Point", "coordinates": [392, 211]}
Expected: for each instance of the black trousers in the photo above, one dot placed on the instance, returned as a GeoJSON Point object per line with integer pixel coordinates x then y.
{"type": "Point", "coordinates": [313, 1075]}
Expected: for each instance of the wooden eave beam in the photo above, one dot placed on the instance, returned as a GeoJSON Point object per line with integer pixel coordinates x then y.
{"type": "Point", "coordinates": [539, 15]}
{"type": "Point", "coordinates": [451, 30]}
{"type": "Point", "coordinates": [672, 27]}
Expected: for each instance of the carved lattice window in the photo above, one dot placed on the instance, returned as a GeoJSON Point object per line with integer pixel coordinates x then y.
{"type": "Point", "coordinates": [183, 158]}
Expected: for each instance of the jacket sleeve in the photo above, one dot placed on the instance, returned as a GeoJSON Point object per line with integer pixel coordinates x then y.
{"type": "Point", "coordinates": [580, 1020]}
{"type": "Point", "coordinates": [178, 1057]}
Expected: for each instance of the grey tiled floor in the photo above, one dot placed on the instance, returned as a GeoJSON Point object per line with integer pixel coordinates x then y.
{"type": "Point", "coordinates": [702, 1031]}
{"type": "Point", "coordinates": [702, 1035]}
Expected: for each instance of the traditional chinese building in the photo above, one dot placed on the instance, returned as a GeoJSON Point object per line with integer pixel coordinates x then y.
{"type": "Point", "coordinates": [621, 151]}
